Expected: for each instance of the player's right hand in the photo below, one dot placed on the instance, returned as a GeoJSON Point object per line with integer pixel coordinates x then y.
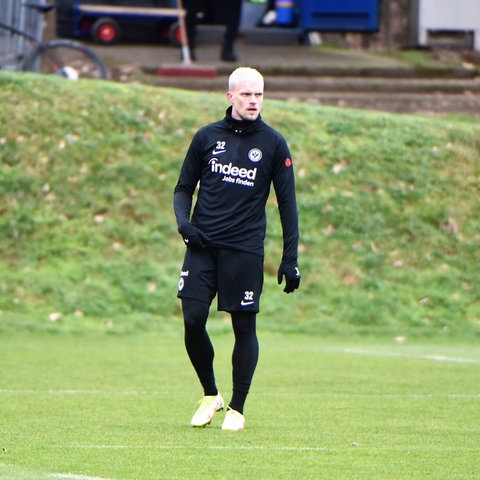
{"type": "Point", "coordinates": [193, 237]}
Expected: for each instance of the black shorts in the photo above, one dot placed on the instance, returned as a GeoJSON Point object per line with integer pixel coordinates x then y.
{"type": "Point", "coordinates": [237, 278]}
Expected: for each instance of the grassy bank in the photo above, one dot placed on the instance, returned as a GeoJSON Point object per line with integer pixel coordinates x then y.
{"type": "Point", "coordinates": [389, 211]}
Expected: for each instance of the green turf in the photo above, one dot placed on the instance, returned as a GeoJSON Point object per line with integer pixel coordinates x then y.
{"type": "Point", "coordinates": [118, 407]}
{"type": "Point", "coordinates": [94, 380]}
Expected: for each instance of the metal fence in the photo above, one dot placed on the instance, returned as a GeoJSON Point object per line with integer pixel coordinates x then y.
{"type": "Point", "coordinates": [17, 14]}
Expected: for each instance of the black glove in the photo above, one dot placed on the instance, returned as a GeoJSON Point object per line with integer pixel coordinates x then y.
{"type": "Point", "coordinates": [192, 236]}
{"type": "Point", "coordinates": [292, 276]}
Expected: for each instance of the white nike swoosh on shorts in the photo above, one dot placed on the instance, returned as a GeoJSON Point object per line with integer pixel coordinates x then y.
{"type": "Point", "coordinates": [243, 303]}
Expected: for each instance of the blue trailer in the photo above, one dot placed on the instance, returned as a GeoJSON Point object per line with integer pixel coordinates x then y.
{"type": "Point", "coordinates": [329, 15]}
{"type": "Point", "coordinates": [295, 20]}
{"type": "Point", "coordinates": [338, 15]}
{"type": "Point", "coordinates": [108, 21]}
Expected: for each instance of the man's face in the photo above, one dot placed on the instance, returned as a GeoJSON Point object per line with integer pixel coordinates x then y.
{"type": "Point", "coordinates": [246, 98]}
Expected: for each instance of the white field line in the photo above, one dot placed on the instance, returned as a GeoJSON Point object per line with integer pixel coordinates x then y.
{"type": "Point", "coordinates": [103, 393]}
{"type": "Point", "coordinates": [197, 447]}
{"type": "Point", "coordinates": [72, 476]}
{"type": "Point", "coordinates": [433, 358]}
{"type": "Point", "coordinates": [108, 394]}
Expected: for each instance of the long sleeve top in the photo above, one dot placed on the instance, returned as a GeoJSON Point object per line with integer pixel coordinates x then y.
{"type": "Point", "coordinates": [234, 164]}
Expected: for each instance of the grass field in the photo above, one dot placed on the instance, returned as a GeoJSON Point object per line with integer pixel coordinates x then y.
{"type": "Point", "coordinates": [102, 406]}
{"type": "Point", "coordinates": [369, 372]}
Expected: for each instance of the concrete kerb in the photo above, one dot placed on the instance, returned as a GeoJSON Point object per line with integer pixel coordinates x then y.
{"type": "Point", "coordinates": [288, 60]}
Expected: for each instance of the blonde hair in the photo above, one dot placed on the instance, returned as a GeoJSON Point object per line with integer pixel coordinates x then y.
{"type": "Point", "coordinates": [243, 73]}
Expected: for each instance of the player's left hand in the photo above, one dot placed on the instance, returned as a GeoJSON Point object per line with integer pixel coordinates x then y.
{"type": "Point", "coordinates": [292, 277]}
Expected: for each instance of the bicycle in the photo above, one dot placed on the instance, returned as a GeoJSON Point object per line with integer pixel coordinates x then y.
{"type": "Point", "coordinates": [22, 51]}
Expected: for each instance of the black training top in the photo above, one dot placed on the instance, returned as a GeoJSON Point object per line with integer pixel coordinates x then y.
{"type": "Point", "coordinates": [235, 163]}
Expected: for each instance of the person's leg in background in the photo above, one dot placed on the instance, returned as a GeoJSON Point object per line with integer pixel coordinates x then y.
{"type": "Point", "coordinates": [270, 15]}
{"type": "Point", "coordinates": [192, 8]}
{"type": "Point", "coordinates": [232, 27]}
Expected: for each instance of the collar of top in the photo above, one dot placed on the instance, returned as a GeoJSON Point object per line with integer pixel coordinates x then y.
{"type": "Point", "coordinates": [241, 127]}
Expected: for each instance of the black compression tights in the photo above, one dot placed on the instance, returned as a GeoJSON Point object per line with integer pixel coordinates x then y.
{"type": "Point", "coordinates": [201, 353]}
{"type": "Point", "coordinates": [198, 344]}
{"type": "Point", "coordinates": [244, 357]}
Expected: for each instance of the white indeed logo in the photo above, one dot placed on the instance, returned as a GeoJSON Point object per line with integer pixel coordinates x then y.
{"type": "Point", "coordinates": [233, 174]}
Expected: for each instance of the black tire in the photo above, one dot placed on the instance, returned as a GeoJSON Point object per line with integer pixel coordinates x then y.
{"type": "Point", "coordinates": [105, 31]}
{"type": "Point", "coordinates": [66, 58]}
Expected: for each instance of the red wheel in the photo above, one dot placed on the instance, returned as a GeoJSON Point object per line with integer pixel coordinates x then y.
{"type": "Point", "coordinates": [175, 34]}
{"type": "Point", "coordinates": [106, 31]}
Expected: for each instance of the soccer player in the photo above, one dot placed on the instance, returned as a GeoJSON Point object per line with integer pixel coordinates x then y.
{"type": "Point", "coordinates": [233, 161]}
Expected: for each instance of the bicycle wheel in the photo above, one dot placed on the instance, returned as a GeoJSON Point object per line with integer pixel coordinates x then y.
{"type": "Point", "coordinates": [66, 58]}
